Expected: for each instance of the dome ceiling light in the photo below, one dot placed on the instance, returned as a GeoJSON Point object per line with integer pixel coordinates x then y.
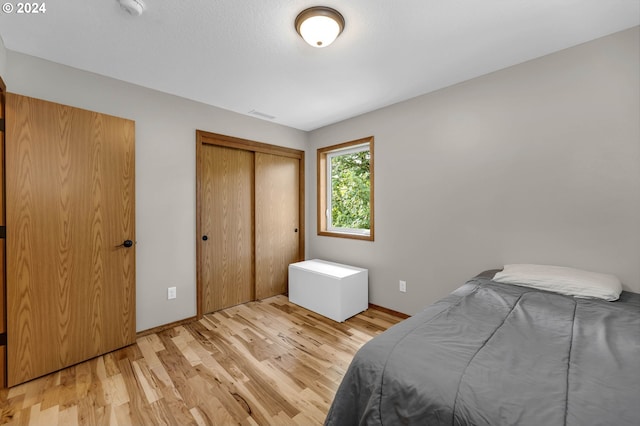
{"type": "Point", "coordinates": [132, 7]}
{"type": "Point", "coordinates": [319, 25]}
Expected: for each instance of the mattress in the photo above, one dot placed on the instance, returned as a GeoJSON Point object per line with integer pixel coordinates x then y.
{"type": "Point", "coordinates": [500, 354]}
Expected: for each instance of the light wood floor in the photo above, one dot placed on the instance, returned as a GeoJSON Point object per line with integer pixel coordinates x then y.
{"type": "Point", "coordinates": [266, 362]}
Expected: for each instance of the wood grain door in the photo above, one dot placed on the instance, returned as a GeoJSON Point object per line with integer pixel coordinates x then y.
{"type": "Point", "coordinates": [277, 221]}
{"type": "Point", "coordinates": [226, 224]}
{"type": "Point", "coordinates": [70, 205]}
{"type": "Point", "coordinates": [3, 329]}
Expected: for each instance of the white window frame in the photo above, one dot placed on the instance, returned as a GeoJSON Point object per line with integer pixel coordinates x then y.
{"type": "Point", "coordinates": [329, 184]}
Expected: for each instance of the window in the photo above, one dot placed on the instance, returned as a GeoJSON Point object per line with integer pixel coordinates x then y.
{"type": "Point", "coordinates": [345, 190]}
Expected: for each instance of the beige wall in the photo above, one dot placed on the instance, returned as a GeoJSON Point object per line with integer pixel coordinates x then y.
{"type": "Point", "coordinates": [536, 163]}
{"type": "Point", "coordinates": [165, 169]}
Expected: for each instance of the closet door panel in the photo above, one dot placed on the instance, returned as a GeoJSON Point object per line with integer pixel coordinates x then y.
{"type": "Point", "coordinates": [277, 222]}
{"type": "Point", "coordinates": [227, 222]}
{"type": "Point", "coordinates": [70, 203]}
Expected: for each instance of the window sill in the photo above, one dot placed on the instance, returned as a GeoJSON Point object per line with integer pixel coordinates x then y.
{"type": "Point", "coordinates": [346, 235]}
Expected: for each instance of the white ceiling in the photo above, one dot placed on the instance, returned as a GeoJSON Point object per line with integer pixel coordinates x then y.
{"type": "Point", "coordinates": [245, 55]}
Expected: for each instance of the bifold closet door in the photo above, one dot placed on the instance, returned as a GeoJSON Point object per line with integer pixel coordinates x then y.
{"type": "Point", "coordinates": [277, 221]}
{"type": "Point", "coordinates": [227, 205]}
{"type": "Point", "coordinates": [70, 206]}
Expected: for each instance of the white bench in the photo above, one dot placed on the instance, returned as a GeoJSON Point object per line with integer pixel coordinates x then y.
{"type": "Point", "coordinates": [333, 290]}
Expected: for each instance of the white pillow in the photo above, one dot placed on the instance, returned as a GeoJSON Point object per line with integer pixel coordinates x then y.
{"type": "Point", "coordinates": [569, 281]}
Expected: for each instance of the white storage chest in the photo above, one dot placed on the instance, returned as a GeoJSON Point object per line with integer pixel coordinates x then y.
{"type": "Point", "coordinates": [333, 290]}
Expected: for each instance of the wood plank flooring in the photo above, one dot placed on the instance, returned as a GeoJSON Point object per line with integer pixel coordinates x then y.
{"type": "Point", "coordinates": [263, 363]}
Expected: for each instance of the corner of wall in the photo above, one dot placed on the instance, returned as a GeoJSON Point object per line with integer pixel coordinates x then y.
{"type": "Point", "coordinates": [3, 60]}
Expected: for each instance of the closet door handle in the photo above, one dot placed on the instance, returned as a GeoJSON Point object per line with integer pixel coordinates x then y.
{"type": "Point", "coordinates": [205, 238]}
{"type": "Point", "coordinates": [295, 230]}
{"type": "Point", "coordinates": [126, 243]}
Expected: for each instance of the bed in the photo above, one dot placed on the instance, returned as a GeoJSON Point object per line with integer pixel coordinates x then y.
{"type": "Point", "coordinates": [492, 353]}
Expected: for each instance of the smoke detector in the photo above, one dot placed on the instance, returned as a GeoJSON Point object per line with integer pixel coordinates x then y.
{"type": "Point", "coordinates": [133, 7]}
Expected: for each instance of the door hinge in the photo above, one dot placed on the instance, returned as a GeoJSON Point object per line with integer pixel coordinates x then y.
{"type": "Point", "coordinates": [3, 339]}
{"type": "Point", "coordinates": [1, 124]}
{"type": "Point", "coordinates": [3, 232]}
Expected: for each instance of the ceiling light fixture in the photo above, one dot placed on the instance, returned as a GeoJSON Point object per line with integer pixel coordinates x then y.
{"type": "Point", "coordinates": [133, 7]}
{"type": "Point", "coordinates": [319, 25]}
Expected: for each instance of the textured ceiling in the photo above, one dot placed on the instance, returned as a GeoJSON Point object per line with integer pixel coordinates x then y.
{"type": "Point", "coordinates": [245, 55]}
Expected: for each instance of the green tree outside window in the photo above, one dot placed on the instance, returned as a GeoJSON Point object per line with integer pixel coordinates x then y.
{"type": "Point", "coordinates": [350, 190]}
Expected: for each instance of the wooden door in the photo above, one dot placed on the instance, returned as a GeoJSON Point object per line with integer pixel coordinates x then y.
{"type": "Point", "coordinates": [3, 329]}
{"type": "Point", "coordinates": [70, 205]}
{"type": "Point", "coordinates": [277, 221]}
{"type": "Point", "coordinates": [226, 219]}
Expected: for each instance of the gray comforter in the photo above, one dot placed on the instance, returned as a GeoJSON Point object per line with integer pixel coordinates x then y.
{"type": "Point", "coordinates": [498, 354]}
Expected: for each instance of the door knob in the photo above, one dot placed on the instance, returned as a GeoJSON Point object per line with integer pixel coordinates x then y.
{"type": "Point", "coordinates": [295, 230]}
{"type": "Point", "coordinates": [205, 238]}
{"type": "Point", "coordinates": [126, 243]}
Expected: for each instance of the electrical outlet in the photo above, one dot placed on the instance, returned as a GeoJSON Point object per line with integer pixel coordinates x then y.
{"type": "Point", "coordinates": [171, 293]}
{"type": "Point", "coordinates": [402, 286]}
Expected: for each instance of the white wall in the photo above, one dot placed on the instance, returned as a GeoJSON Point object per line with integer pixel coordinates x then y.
{"type": "Point", "coordinates": [3, 59]}
{"type": "Point", "coordinates": [537, 163]}
{"type": "Point", "coordinates": [165, 169]}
